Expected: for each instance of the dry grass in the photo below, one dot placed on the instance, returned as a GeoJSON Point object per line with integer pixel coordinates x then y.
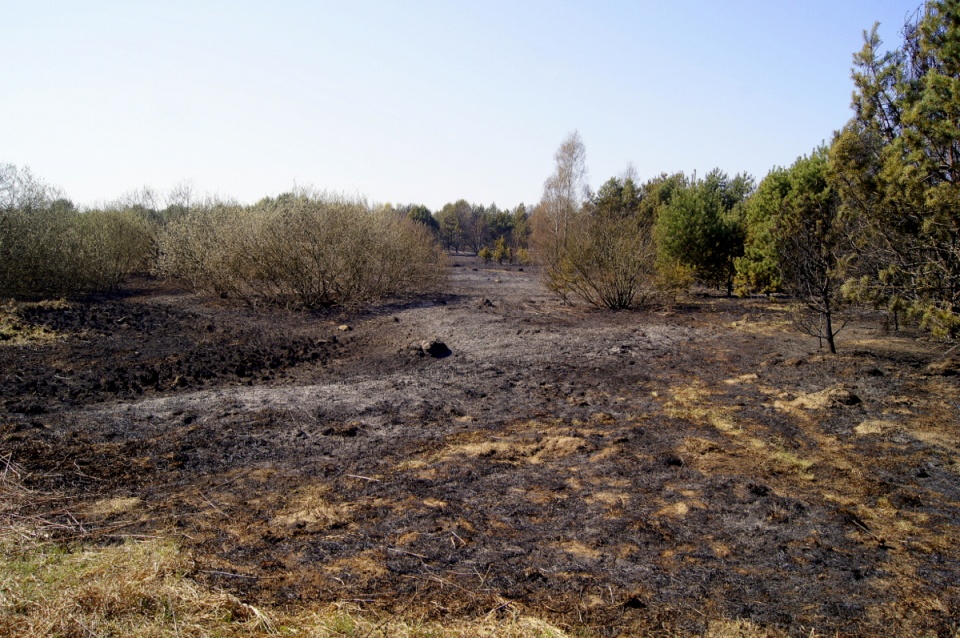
{"type": "Point", "coordinates": [13, 331]}
{"type": "Point", "coordinates": [309, 509]}
{"type": "Point", "coordinates": [693, 403]}
{"type": "Point", "coordinates": [142, 588]}
{"type": "Point", "coordinates": [137, 588]}
{"type": "Point", "coordinates": [133, 589]}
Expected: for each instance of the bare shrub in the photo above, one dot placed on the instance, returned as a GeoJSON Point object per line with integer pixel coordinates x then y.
{"type": "Point", "coordinates": [610, 262]}
{"type": "Point", "coordinates": [300, 250]}
{"type": "Point", "coordinates": [55, 250]}
{"type": "Point", "coordinates": [197, 247]}
{"type": "Point", "coordinates": [111, 245]}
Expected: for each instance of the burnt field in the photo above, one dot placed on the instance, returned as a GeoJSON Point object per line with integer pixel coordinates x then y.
{"type": "Point", "coordinates": [612, 473]}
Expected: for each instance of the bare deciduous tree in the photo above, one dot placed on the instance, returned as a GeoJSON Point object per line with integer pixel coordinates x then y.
{"type": "Point", "coordinates": [563, 195]}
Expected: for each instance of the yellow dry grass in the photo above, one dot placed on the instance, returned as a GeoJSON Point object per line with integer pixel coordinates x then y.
{"type": "Point", "coordinates": [143, 588]}
{"type": "Point", "coordinates": [529, 442]}
{"type": "Point", "coordinates": [693, 403]}
{"type": "Point", "coordinates": [308, 509]}
{"type": "Point", "coordinates": [15, 332]}
{"type": "Point", "coordinates": [741, 628]}
{"type": "Point", "coordinates": [766, 327]}
{"type": "Point", "coordinates": [134, 589]}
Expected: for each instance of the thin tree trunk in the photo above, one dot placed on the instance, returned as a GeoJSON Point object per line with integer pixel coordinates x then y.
{"type": "Point", "coordinates": [828, 318]}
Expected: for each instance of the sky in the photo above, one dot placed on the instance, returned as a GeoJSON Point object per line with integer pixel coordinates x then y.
{"type": "Point", "coordinates": [418, 101]}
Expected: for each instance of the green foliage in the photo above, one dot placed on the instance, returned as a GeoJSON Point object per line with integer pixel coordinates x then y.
{"type": "Point", "coordinates": [896, 166]}
{"type": "Point", "coordinates": [520, 223]}
{"type": "Point", "coordinates": [464, 225]}
{"type": "Point", "coordinates": [485, 254]}
{"type": "Point", "coordinates": [700, 227]}
{"type": "Point", "coordinates": [811, 240]}
{"type": "Point", "coordinates": [618, 197]}
{"type": "Point", "coordinates": [451, 234]}
{"type": "Point", "coordinates": [501, 251]}
{"type": "Point", "coordinates": [657, 193]}
{"type": "Point", "coordinates": [601, 251]}
{"type": "Point", "coordinates": [421, 214]}
{"type": "Point", "coordinates": [758, 270]}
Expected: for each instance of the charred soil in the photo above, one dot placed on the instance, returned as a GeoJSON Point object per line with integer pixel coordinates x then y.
{"type": "Point", "coordinates": [614, 473]}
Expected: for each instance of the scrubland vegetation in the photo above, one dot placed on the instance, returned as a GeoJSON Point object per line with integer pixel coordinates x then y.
{"type": "Point", "coordinates": [301, 250]}
{"type": "Point", "coordinates": [868, 222]}
{"type": "Point", "coordinates": [48, 248]}
{"type": "Point", "coordinates": [870, 219]}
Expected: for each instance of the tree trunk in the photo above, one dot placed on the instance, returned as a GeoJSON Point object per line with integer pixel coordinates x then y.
{"type": "Point", "coordinates": [828, 320]}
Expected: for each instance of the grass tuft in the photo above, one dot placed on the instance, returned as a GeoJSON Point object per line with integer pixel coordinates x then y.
{"type": "Point", "coordinates": [14, 331]}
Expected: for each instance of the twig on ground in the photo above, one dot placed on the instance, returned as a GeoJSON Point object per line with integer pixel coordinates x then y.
{"type": "Point", "coordinates": [211, 504]}
{"type": "Point", "coordinates": [456, 536]}
{"type": "Point", "coordinates": [403, 551]}
{"type": "Point", "coordinates": [497, 608]}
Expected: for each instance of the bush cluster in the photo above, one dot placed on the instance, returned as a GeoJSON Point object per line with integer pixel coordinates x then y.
{"type": "Point", "coordinates": [300, 250]}
{"type": "Point", "coordinates": [54, 250]}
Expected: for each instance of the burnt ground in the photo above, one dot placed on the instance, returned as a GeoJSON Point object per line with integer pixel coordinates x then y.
{"type": "Point", "coordinates": [614, 473]}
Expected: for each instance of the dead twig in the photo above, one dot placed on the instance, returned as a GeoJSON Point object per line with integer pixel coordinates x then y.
{"type": "Point", "coordinates": [403, 551]}
{"type": "Point", "coordinates": [80, 472]}
{"type": "Point", "coordinates": [497, 608]}
{"type": "Point", "coordinates": [9, 467]}
{"type": "Point", "coordinates": [211, 504]}
{"type": "Point", "coordinates": [456, 536]}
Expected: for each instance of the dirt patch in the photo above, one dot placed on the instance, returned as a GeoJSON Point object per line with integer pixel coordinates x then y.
{"type": "Point", "coordinates": [687, 471]}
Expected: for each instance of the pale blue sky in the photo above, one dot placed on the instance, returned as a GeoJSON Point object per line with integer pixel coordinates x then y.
{"type": "Point", "coordinates": [418, 101]}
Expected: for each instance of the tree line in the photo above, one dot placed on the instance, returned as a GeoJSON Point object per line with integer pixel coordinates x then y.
{"type": "Point", "coordinates": [488, 231]}
{"type": "Point", "coordinates": [872, 217]}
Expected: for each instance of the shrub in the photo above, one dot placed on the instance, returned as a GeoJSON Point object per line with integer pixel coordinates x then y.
{"type": "Point", "coordinates": [300, 250]}
{"type": "Point", "coordinates": [502, 251]}
{"type": "Point", "coordinates": [611, 261]}
{"type": "Point", "coordinates": [673, 280]}
{"type": "Point", "coordinates": [55, 250]}
{"type": "Point", "coordinates": [607, 259]}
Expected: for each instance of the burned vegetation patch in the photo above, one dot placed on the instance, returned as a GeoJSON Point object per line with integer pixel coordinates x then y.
{"type": "Point", "coordinates": [660, 472]}
{"type": "Point", "coordinates": [114, 349]}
